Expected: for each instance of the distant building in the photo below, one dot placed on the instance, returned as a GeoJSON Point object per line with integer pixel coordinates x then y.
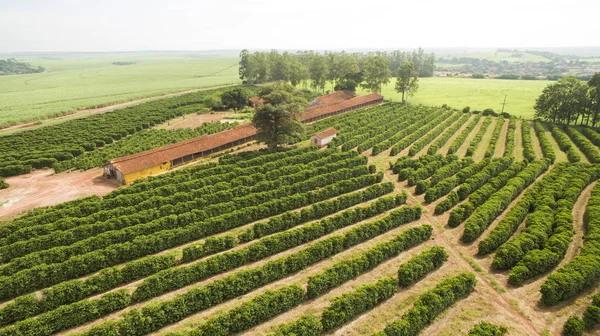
{"type": "Point", "coordinates": [323, 138]}
{"type": "Point", "coordinates": [151, 162]}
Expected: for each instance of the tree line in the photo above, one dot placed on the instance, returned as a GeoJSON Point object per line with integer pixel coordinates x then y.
{"type": "Point", "coordinates": [12, 67]}
{"type": "Point", "coordinates": [570, 100]}
{"type": "Point", "coordinates": [343, 70]}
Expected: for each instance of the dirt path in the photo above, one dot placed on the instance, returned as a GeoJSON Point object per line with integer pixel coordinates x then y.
{"type": "Point", "coordinates": [518, 151]}
{"type": "Point", "coordinates": [444, 149]}
{"type": "Point", "coordinates": [579, 224]}
{"type": "Point", "coordinates": [535, 142]}
{"type": "Point", "coordinates": [98, 110]}
{"type": "Point", "coordinates": [426, 148]}
{"type": "Point", "coordinates": [462, 150]}
{"type": "Point", "coordinates": [501, 146]}
{"type": "Point", "coordinates": [43, 188]}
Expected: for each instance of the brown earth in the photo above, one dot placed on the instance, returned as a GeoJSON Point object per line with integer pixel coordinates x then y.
{"type": "Point", "coordinates": [191, 121]}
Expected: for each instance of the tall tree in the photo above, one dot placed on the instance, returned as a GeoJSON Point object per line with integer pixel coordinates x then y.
{"type": "Point", "coordinates": [235, 98]}
{"type": "Point", "coordinates": [318, 72]}
{"type": "Point", "coordinates": [594, 92]}
{"type": "Point", "coordinates": [407, 81]}
{"type": "Point", "coordinates": [565, 101]}
{"type": "Point", "coordinates": [277, 120]}
{"type": "Point", "coordinates": [350, 76]}
{"type": "Point", "coordinates": [247, 68]}
{"type": "Point", "coordinates": [376, 73]}
{"type": "Point", "coordinates": [298, 72]}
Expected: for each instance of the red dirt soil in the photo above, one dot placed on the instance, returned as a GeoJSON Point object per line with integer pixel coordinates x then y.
{"type": "Point", "coordinates": [44, 188]}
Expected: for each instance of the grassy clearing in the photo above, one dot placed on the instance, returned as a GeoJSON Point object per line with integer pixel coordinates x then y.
{"type": "Point", "coordinates": [76, 83]}
{"type": "Point", "coordinates": [479, 94]}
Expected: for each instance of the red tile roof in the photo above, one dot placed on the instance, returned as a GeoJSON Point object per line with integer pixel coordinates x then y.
{"type": "Point", "coordinates": [326, 133]}
{"type": "Point", "coordinates": [157, 156]}
{"type": "Point", "coordinates": [336, 97]}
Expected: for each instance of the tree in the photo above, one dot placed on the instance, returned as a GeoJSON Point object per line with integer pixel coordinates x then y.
{"type": "Point", "coordinates": [298, 72]}
{"type": "Point", "coordinates": [565, 101]}
{"type": "Point", "coordinates": [376, 73]}
{"type": "Point", "coordinates": [318, 72]}
{"type": "Point", "coordinates": [277, 120]}
{"type": "Point", "coordinates": [235, 98]}
{"type": "Point", "coordinates": [245, 69]}
{"type": "Point", "coordinates": [407, 80]}
{"type": "Point", "coordinates": [594, 92]}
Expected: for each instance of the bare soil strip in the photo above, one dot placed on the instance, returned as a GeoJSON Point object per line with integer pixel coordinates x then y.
{"type": "Point", "coordinates": [462, 150]}
{"type": "Point", "coordinates": [483, 145]}
{"type": "Point", "coordinates": [535, 142]}
{"type": "Point", "coordinates": [444, 149]}
{"type": "Point", "coordinates": [518, 151]}
{"type": "Point", "coordinates": [501, 145]}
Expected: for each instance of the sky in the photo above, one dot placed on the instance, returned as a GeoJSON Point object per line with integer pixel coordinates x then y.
{"type": "Point", "coordinates": [132, 25]}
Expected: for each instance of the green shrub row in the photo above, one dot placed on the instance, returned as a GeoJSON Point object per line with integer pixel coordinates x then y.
{"type": "Point", "coordinates": [545, 143]}
{"type": "Point", "coordinates": [587, 147]}
{"type": "Point", "coordinates": [591, 134]}
{"type": "Point", "coordinates": [348, 269]}
{"type": "Point", "coordinates": [500, 200]}
{"type": "Point", "coordinates": [495, 136]}
{"type": "Point", "coordinates": [484, 328]}
{"type": "Point", "coordinates": [417, 133]}
{"type": "Point", "coordinates": [446, 185]}
{"type": "Point", "coordinates": [252, 313]}
{"type": "Point", "coordinates": [346, 307]}
{"type": "Point", "coordinates": [431, 304]}
{"type": "Point", "coordinates": [460, 139]}
{"type": "Point", "coordinates": [155, 316]}
{"type": "Point", "coordinates": [3, 184]}
{"type": "Point", "coordinates": [307, 325]}
{"type": "Point", "coordinates": [443, 139]}
{"type": "Point", "coordinates": [575, 326]}
{"type": "Point", "coordinates": [528, 152]}
{"type": "Point", "coordinates": [419, 266]}
{"type": "Point", "coordinates": [449, 169]}
{"type": "Point", "coordinates": [515, 216]}
{"type": "Point", "coordinates": [553, 250]}
{"type": "Point", "coordinates": [479, 136]}
{"type": "Point", "coordinates": [175, 278]}
{"type": "Point", "coordinates": [565, 144]}
{"type": "Point", "coordinates": [45, 275]}
{"type": "Point", "coordinates": [424, 141]}
{"type": "Point", "coordinates": [405, 162]}
{"type": "Point", "coordinates": [584, 270]}
{"type": "Point", "coordinates": [509, 144]}
{"type": "Point", "coordinates": [539, 224]}
{"type": "Point", "coordinates": [478, 180]}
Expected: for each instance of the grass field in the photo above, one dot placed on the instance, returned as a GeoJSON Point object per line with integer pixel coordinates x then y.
{"type": "Point", "coordinates": [476, 93]}
{"type": "Point", "coordinates": [83, 81]}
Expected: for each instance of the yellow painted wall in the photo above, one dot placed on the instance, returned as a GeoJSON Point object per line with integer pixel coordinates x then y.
{"type": "Point", "coordinates": [146, 172]}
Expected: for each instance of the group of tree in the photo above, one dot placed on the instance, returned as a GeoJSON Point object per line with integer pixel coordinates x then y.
{"type": "Point", "coordinates": [570, 100]}
{"type": "Point", "coordinates": [12, 67]}
{"type": "Point", "coordinates": [343, 70]}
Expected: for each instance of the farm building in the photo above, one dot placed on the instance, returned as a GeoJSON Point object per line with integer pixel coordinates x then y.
{"type": "Point", "coordinates": [132, 167]}
{"type": "Point", "coordinates": [323, 138]}
{"type": "Point", "coordinates": [332, 98]}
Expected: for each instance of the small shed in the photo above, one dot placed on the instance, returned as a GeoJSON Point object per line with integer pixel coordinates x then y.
{"type": "Point", "coordinates": [323, 138]}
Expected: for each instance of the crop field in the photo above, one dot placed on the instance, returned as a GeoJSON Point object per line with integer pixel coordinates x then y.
{"type": "Point", "coordinates": [83, 82]}
{"type": "Point", "coordinates": [414, 220]}
{"type": "Point", "coordinates": [477, 93]}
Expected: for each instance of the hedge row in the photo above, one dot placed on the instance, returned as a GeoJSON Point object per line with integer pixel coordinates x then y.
{"type": "Point", "coordinates": [591, 134]}
{"type": "Point", "coordinates": [584, 270]}
{"type": "Point", "coordinates": [108, 238]}
{"type": "Point", "coordinates": [509, 144]}
{"type": "Point", "coordinates": [405, 162]}
{"type": "Point", "coordinates": [66, 317]}
{"type": "Point", "coordinates": [424, 141]}
{"type": "Point", "coordinates": [552, 251]}
{"type": "Point", "coordinates": [484, 328]}
{"type": "Point", "coordinates": [587, 147]}
{"type": "Point", "coordinates": [431, 304]}
{"type": "Point", "coordinates": [447, 184]}
{"type": "Point", "coordinates": [307, 325]}
{"type": "Point", "coordinates": [252, 313]}
{"type": "Point", "coordinates": [175, 278]}
{"type": "Point", "coordinates": [515, 216]}
{"type": "Point", "coordinates": [346, 307]}
{"type": "Point", "coordinates": [575, 326]}
{"type": "Point", "coordinates": [479, 196]}
{"type": "Point", "coordinates": [565, 144]}
{"type": "Point", "coordinates": [539, 225]}
{"type": "Point", "coordinates": [546, 145]}
{"type": "Point", "coordinates": [3, 184]}
{"type": "Point", "coordinates": [45, 275]}
{"type": "Point", "coordinates": [443, 139]}
{"type": "Point", "coordinates": [449, 169]}
{"type": "Point", "coordinates": [479, 136]}
{"type": "Point", "coordinates": [348, 269]}
{"type": "Point", "coordinates": [416, 268]}
{"type": "Point", "coordinates": [495, 136]}
{"type": "Point", "coordinates": [76, 290]}
{"type": "Point", "coordinates": [416, 134]}
{"type": "Point", "coordinates": [499, 201]}
{"type": "Point", "coordinates": [528, 152]}
{"type": "Point", "coordinates": [90, 210]}
{"type": "Point", "coordinates": [478, 180]}
{"type": "Point", "coordinates": [460, 139]}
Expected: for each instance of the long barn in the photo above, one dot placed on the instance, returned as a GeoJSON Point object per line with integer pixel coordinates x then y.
{"type": "Point", "coordinates": [132, 167]}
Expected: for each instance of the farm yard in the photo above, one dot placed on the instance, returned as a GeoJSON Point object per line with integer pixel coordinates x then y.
{"type": "Point", "coordinates": [414, 219]}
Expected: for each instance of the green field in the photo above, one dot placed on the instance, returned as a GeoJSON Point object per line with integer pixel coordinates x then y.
{"type": "Point", "coordinates": [476, 93]}
{"type": "Point", "coordinates": [81, 81]}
